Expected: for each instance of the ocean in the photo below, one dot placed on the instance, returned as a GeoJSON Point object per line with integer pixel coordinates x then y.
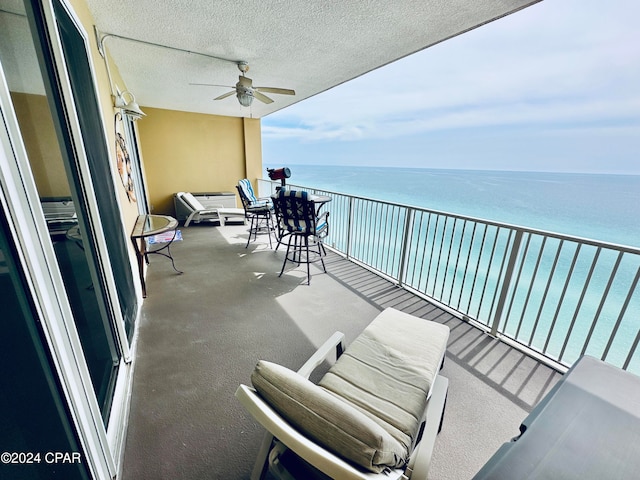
{"type": "Point", "coordinates": [597, 206]}
{"type": "Point", "coordinates": [567, 300]}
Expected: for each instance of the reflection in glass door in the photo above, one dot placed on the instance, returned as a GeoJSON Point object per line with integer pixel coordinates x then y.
{"type": "Point", "coordinates": [33, 416]}
{"type": "Point", "coordinates": [63, 201]}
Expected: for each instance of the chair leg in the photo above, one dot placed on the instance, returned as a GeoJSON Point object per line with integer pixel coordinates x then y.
{"type": "Point", "coordinates": [286, 255]}
{"type": "Point", "coordinates": [256, 229]}
{"type": "Point", "coordinates": [269, 229]}
{"type": "Point", "coordinates": [298, 249]}
{"type": "Point", "coordinates": [320, 250]}
{"type": "Point", "coordinates": [295, 256]}
{"type": "Point", "coordinates": [322, 245]}
{"type": "Point", "coordinates": [257, 223]}
{"type": "Point", "coordinates": [306, 244]}
{"type": "Point", "coordinates": [251, 229]}
{"type": "Point", "coordinates": [279, 231]}
{"type": "Point", "coordinates": [261, 465]}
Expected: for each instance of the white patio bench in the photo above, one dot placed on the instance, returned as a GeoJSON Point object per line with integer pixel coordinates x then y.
{"type": "Point", "coordinates": [375, 413]}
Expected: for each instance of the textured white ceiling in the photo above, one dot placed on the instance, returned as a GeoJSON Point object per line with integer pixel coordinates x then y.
{"type": "Point", "coordinates": [308, 46]}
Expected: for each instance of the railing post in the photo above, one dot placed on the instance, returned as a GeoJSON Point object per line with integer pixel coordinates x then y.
{"type": "Point", "coordinates": [405, 245]}
{"type": "Point", "coordinates": [349, 225]}
{"type": "Point", "coordinates": [506, 282]}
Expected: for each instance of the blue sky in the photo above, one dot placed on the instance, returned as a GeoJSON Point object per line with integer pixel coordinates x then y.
{"type": "Point", "coordinates": [554, 87]}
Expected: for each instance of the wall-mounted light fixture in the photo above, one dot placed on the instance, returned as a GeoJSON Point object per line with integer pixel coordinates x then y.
{"type": "Point", "coordinates": [131, 108]}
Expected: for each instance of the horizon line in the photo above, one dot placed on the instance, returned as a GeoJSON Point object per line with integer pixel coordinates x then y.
{"type": "Point", "coordinates": [282, 164]}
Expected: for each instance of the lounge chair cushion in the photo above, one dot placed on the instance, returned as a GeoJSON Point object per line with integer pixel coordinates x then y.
{"type": "Point", "coordinates": [331, 422]}
{"type": "Point", "coordinates": [387, 372]}
{"type": "Point", "coordinates": [192, 201]}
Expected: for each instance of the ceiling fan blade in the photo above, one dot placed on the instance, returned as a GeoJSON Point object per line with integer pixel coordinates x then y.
{"type": "Point", "coordinates": [261, 97]}
{"type": "Point", "coordinates": [211, 85]}
{"type": "Point", "coordinates": [225, 95]}
{"type": "Point", "coordinates": [281, 91]}
{"type": "Point", "coordinates": [244, 81]}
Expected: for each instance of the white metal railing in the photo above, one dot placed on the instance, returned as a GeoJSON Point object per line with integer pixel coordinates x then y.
{"type": "Point", "coordinates": [556, 295]}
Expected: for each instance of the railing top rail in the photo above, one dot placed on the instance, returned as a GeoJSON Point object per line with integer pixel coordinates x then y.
{"type": "Point", "coordinates": [535, 231]}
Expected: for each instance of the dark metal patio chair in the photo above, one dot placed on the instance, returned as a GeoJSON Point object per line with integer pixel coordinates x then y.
{"type": "Point", "coordinates": [297, 212]}
{"type": "Point", "coordinates": [257, 210]}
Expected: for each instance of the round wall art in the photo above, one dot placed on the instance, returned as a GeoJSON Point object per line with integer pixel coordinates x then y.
{"type": "Point", "coordinates": [124, 166]}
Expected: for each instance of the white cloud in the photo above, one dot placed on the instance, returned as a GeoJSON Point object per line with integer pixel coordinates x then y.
{"type": "Point", "coordinates": [555, 63]}
{"type": "Point", "coordinates": [561, 114]}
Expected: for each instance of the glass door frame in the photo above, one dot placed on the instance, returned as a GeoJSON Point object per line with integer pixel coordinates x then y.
{"type": "Point", "coordinates": [21, 202]}
{"type": "Point", "coordinates": [75, 131]}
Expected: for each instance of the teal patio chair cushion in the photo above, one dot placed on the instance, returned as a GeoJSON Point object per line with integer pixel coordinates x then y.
{"type": "Point", "coordinates": [247, 189]}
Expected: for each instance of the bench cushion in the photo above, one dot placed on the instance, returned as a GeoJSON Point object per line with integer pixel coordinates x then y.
{"type": "Point", "coordinates": [327, 420]}
{"type": "Point", "coordinates": [387, 372]}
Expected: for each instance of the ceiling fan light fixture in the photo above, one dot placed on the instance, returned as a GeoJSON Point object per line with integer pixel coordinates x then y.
{"type": "Point", "coordinates": [245, 98]}
{"type": "Point", "coordinates": [245, 91]}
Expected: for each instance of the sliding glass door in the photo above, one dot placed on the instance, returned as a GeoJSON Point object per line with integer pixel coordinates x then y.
{"type": "Point", "coordinates": [63, 200]}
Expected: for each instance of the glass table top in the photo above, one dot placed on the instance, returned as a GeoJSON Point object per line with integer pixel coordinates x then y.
{"type": "Point", "coordinates": [148, 225]}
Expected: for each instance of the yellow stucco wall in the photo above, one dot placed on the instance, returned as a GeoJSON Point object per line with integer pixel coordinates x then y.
{"type": "Point", "coordinates": [181, 151]}
{"type": "Point", "coordinates": [194, 152]}
{"type": "Point", "coordinates": [253, 150]}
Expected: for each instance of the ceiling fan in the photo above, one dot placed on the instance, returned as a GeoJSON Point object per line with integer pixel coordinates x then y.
{"type": "Point", "coordinates": [245, 91]}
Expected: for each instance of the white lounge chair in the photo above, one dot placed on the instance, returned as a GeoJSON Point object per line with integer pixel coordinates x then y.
{"type": "Point", "coordinates": [189, 206]}
{"type": "Point", "coordinates": [340, 427]}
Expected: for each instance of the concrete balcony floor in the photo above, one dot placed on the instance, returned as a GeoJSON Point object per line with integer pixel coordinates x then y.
{"type": "Point", "coordinates": [201, 333]}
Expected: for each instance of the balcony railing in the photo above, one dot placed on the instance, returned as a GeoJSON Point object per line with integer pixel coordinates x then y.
{"type": "Point", "coordinates": [555, 295]}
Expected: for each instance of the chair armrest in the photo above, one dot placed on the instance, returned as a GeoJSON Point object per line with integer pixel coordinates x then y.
{"type": "Point", "coordinates": [323, 217]}
{"type": "Point", "coordinates": [198, 213]}
{"type": "Point", "coordinates": [322, 225]}
{"type": "Point", "coordinates": [259, 206]}
{"type": "Point", "coordinates": [210, 209]}
{"type": "Point", "coordinates": [274, 423]}
{"type": "Point", "coordinates": [420, 459]}
{"type": "Point", "coordinates": [334, 343]}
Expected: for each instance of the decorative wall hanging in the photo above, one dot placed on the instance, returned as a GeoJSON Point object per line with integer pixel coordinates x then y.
{"type": "Point", "coordinates": [124, 166]}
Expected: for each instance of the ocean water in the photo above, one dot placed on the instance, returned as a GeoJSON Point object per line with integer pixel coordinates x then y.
{"type": "Point", "coordinates": [549, 307]}
{"type": "Point", "coordinates": [599, 207]}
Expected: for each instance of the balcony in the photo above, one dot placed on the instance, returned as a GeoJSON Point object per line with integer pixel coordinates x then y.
{"type": "Point", "coordinates": [522, 305]}
{"type": "Point", "coordinates": [201, 333]}
{"type": "Point", "coordinates": [554, 296]}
